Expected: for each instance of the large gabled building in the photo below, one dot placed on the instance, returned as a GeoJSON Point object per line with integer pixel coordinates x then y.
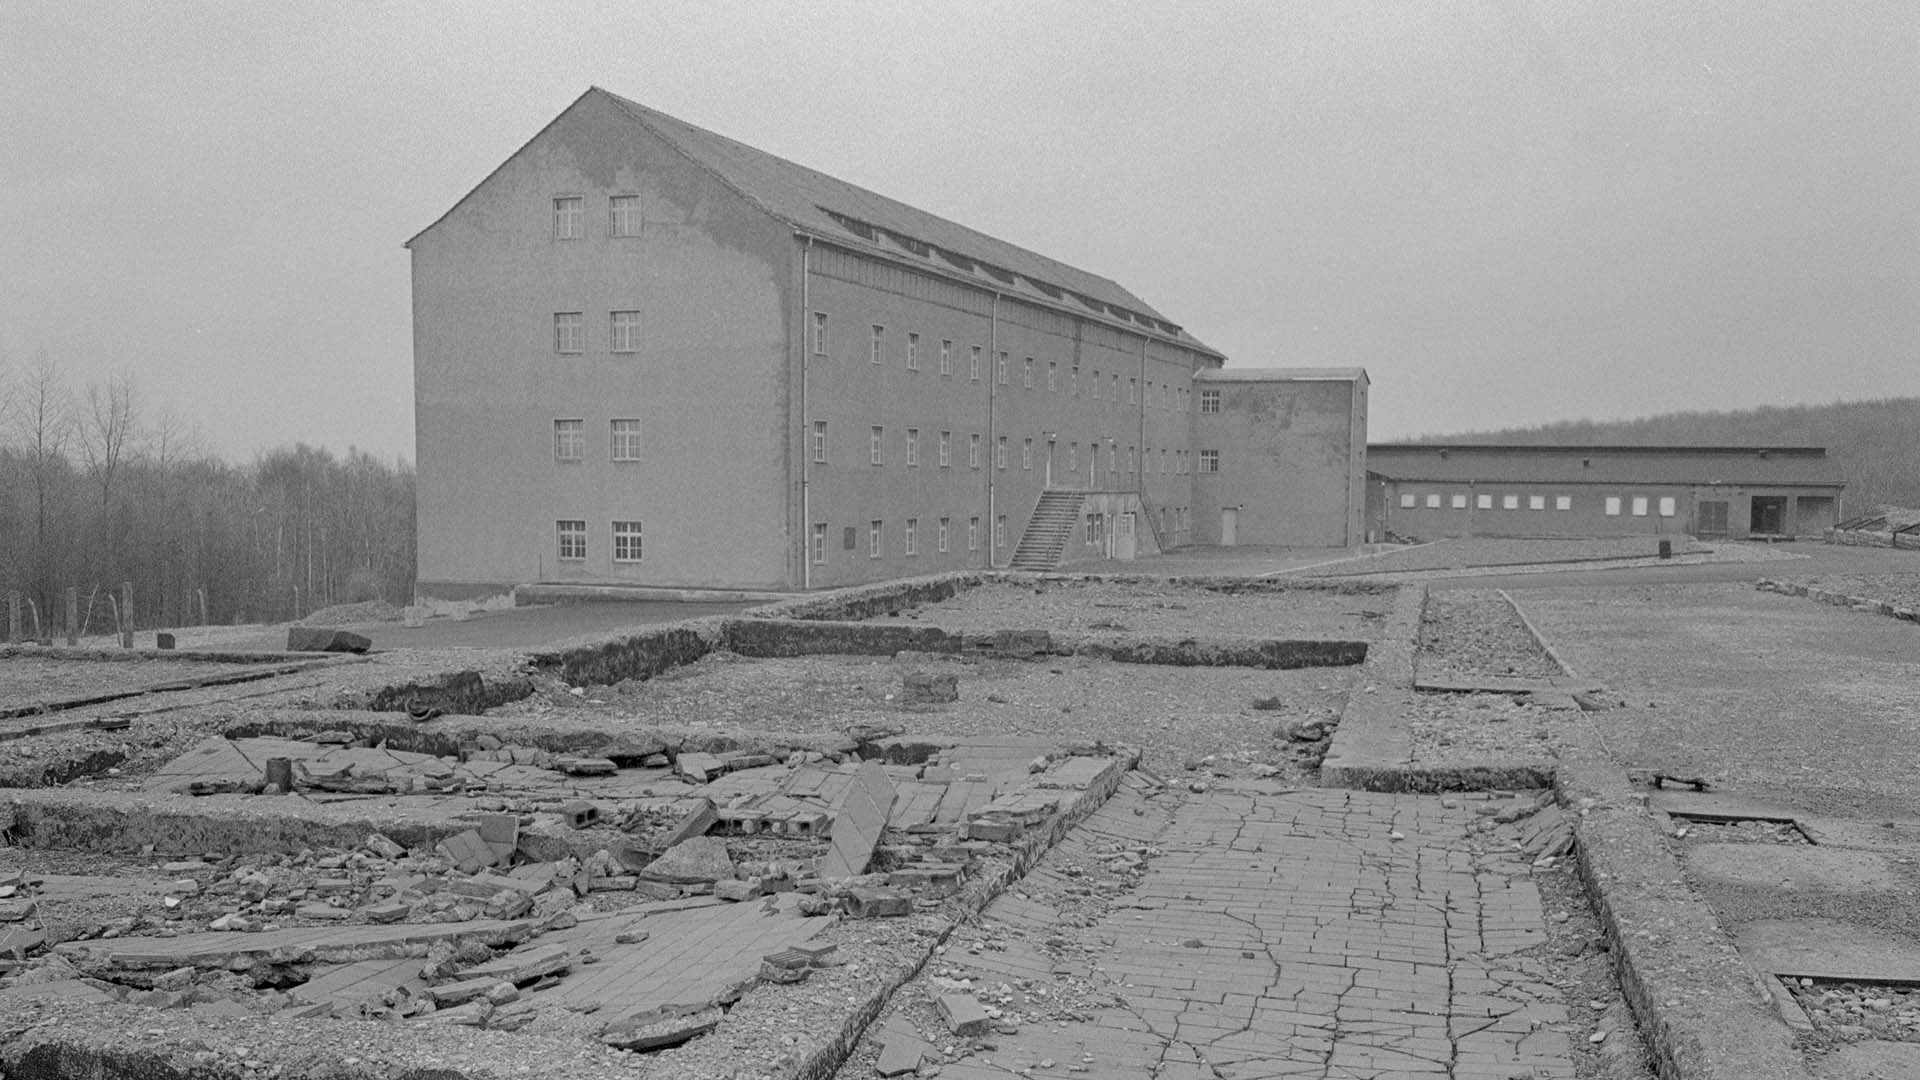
{"type": "Point", "coordinates": [647, 354]}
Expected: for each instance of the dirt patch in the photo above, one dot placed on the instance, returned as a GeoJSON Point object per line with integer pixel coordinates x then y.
{"type": "Point", "coordinates": [1475, 632]}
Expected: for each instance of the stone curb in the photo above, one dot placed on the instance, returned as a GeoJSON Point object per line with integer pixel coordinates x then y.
{"type": "Point", "coordinates": [1838, 599]}
{"type": "Point", "coordinates": [1539, 639]}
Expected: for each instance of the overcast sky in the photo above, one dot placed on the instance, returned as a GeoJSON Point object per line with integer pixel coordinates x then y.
{"type": "Point", "coordinates": [1508, 211]}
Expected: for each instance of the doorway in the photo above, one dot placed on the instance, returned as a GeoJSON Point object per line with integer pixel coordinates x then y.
{"type": "Point", "coordinates": [1229, 526]}
{"type": "Point", "coordinates": [1769, 516]}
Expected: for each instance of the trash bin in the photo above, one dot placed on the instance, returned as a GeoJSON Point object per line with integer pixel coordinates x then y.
{"type": "Point", "coordinates": [1666, 549]}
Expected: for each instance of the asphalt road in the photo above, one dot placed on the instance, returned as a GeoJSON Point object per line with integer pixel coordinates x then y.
{"type": "Point", "coordinates": [1819, 559]}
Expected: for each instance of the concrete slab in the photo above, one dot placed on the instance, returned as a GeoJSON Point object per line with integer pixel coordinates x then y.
{"type": "Point", "coordinates": [1794, 868]}
{"type": "Point", "coordinates": [860, 821]}
{"type": "Point", "coordinates": [345, 943]}
{"type": "Point", "coordinates": [1828, 949]}
{"type": "Point", "coordinates": [1872, 1060]}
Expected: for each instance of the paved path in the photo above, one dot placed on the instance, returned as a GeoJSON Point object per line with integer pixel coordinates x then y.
{"type": "Point", "coordinates": [1324, 934]}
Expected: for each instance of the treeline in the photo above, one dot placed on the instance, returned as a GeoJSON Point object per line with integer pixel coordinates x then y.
{"type": "Point", "coordinates": [95, 491]}
{"type": "Point", "coordinates": [1877, 443]}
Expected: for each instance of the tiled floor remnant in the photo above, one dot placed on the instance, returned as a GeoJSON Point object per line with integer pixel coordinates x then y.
{"type": "Point", "coordinates": [1325, 934]}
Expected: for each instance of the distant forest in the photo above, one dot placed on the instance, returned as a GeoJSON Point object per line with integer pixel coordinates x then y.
{"type": "Point", "coordinates": [96, 490]}
{"type": "Point", "coordinates": [1877, 443]}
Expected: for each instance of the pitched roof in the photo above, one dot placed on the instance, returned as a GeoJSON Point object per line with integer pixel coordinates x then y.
{"type": "Point", "coordinates": [1283, 374]}
{"type": "Point", "coordinates": [1757, 466]}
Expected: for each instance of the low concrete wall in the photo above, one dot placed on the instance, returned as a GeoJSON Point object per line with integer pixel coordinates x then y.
{"type": "Point", "coordinates": [867, 601]}
{"type": "Point", "coordinates": [1372, 749]}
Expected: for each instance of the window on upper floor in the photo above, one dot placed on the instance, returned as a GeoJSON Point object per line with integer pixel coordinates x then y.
{"type": "Point", "coordinates": [973, 362]}
{"type": "Point", "coordinates": [624, 333]}
{"type": "Point", "coordinates": [1209, 461]}
{"type": "Point", "coordinates": [973, 450]}
{"type": "Point", "coordinates": [973, 533]}
{"type": "Point", "coordinates": [913, 447]}
{"type": "Point", "coordinates": [873, 444]}
{"type": "Point", "coordinates": [1509, 502]}
{"type": "Point", "coordinates": [1459, 502]}
{"type": "Point", "coordinates": [946, 449]}
{"type": "Point", "coordinates": [1053, 376]}
{"type": "Point", "coordinates": [1668, 507]}
{"type": "Point", "coordinates": [1000, 366]}
{"type": "Point", "coordinates": [1483, 502]}
{"type": "Point", "coordinates": [946, 357]}
{"type": "Point", "coordinates": [568, 216]}
{"type": "Point", "coordinates": [569, 440]}
{"type": "Point", "coordinates": [1209, 402]}
{"type": "Point", "coordinates": [1639, 506]}
{"type": "Point", "coordinates": [1026, 374]}
{"type": "Point", "coordinates": [1133, 391]}
{"type": "Point", "coordinates": [879, 344]}
{"type": "Point", "coordinates": [820, 333]}
{"type": "Point", "coordinates": [1026, 454]}
{"type": "Point", "coordinates": [913, 352]}
{"type": "Point", "coordinates": [1000, 453]}
{"type": "Point", "coordinates": [624, 436]}
{"type": "Point", "coordinates": [569, 331]}
{"type": "Point", "coordinates": [624, 214]}
{"type": "Point", "coordinates": [913, 536]}
{"type": "Point", "coordinates": [1536, 502]}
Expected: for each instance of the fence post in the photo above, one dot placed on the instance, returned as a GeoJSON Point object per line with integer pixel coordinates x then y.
{"type": "Point", "coordinates": [202, 591]}
{"type": "Point", "coordinates": [73, 615]}
{"type": "Point", "coordinates": [126, 614]}
{"type": "Point", "coordinates": [13, 615]}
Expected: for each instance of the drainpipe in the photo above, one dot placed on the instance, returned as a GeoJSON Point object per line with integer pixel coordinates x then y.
{"type": "Point", "coordinates": [806, 430]}
{"type": "Point", "coordinates": [993, 461]}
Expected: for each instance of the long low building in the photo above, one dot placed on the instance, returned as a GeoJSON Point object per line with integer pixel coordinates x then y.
{"type": "Point", "coordinates": [1419, 491]}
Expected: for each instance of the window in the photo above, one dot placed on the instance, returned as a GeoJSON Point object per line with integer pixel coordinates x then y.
{"type": "Point", "coordinates": [820, 333]}
{"type": "Point", "coordinates": [1073, 382]}
{"type": "Point", "coordinates": [1536, 502]}
{"type": "Point", "coordinates": [1433, 500]}
{"type": "Point", "coordinates": [1209, 402]}
{"type": "Point", "coordinates": [1026, 374]}
{"type": "Point", "coordinates": [1483, 502]}
{"type": "Point", "coordinates": [875, 532]}
{"type": "Point", "coordinates": [1000, 531]}
{"type": "Point", "coordinates": [625, 215]}
{"type": "Point", "coordinates": [1613, 506]}
{"type": "Point", "coordinates": [1407, 500]}
{"type": "Point", "coordinates": [1209, 461]}
{"type": "Point", "coordinates": [1667, 506]}
{"type": "Point", "coordinates": [820, 440]}
{"type": "Point", "coordinates": [1053, 375]}
{"type": "Point", "coordinates": [1095, 384]}
{"type": "Point", "coordinates": [569, 331]}
{"type": "Point", "coordinates": [1639, 506]}
{"type": "Point", "coordinates": [567, 212]}
{"type": "Point", "coordinates": [946, 449]}
{"type": "Point", "coordinates": [973, 533]}
{"type": "Point", "coordinates": [913, 352]}
{"type": "Point", "coordinates": [973, 363]}
{"type": "Point", "coordinates": [1509, 502]}
{"type": "Point", "coordinates": [945, 535]}
{"type": "Point", "coordinates": [1133, 391]}
{"type": "Point", "coordinates": [820, 543]}
{"type": "Point", "coordinates": [1093, 528]}
{"type": "Point", "coordinates": [1163, 462]}
{"type": "Point", "coordinates": [1026, 454]}
{"type": "Point", "coordinates": [573, 539]}
{"type": "Point", "coordinates": [1563, 502]}
{"type": "Point", "coordinates": [879, 344]}
{"type": "Point", "coordinates": [1000, 453]}
{"type": "Point", "coordinates": [625, 334]}
{"type": "Point", "coordinates": [847, 538]}
{"type": "Point", "coordinates": [1073, 457]}
{"type": "Point", "coordinates": [569, 440]}
{"type": "Point", "coordinates": [873, 444]}
{"type": "Point", "coordinates": [973, 450]}
{"type": "Point", "coordinates": [946, 357]}
{"type": "Point", "coordinates": [913, 536]}
{"type": "Point", "coordinates": [1459, 502]}
{"type": "Point", "coordinates": [1129, 458]}
{"type": "Point", "coordinates": [625, 436]}
{"type": "Point", "coordinates": [1113, 458]}
{"type": "Point", "coordinates": [913, 447]}
{"type": "Point", "coordinates": [1001, 368]}
{"type": "Point", "coordinates": [626, 541]}
{"type": "Point", "coordinates": [1115, 388]}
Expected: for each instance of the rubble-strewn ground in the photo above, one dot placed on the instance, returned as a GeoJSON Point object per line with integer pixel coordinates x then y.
{"type": "Point", "coordinates": [1902, 590]}
{"type": "Point", "coordinates": [1486, 551]}
{"type": "Point", "coordinates": [1153, 608]}
{"type": "Point", "coordinates": [1475, 632]}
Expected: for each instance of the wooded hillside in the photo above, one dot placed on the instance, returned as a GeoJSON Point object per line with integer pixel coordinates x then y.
{"type": "Point", "coordinates": [95, 491]}
{"type": "Point", "coordinates": [1877, 443]}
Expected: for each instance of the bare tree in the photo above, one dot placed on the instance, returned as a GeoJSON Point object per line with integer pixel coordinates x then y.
{"type": "Point", "coordinates": [106, 428]}
{"type": "Point", "coordinates": [41, 422]}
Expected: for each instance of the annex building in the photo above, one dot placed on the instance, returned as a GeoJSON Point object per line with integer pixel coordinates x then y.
{"type": "Point", "coordinates": [646, 354]}
{"type": "Point", "coordinates": [1432, 491]}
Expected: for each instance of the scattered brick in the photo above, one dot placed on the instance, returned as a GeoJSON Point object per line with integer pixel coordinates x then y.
{"type": "Point", "coordinates": [964, 1015]}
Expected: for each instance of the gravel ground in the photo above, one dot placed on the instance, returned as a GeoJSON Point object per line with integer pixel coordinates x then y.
{"type": "Point", "coordinates": [1902, 590]}
{"type": "Point", "coordinates": [31, 680]}
{"type": "Point", "coordinates": [1456, 729]}
{"type": "Point", "coordinates": [1491, 551]}
{"type": "Point", "coordinates": [1475, 632]}
{"type": "Point", "coordinates": [1849, 1011]}
{"type": "Point", "coordinates": [1150, 608]}
{"type": "Point", "coordinates": [1175, 715]}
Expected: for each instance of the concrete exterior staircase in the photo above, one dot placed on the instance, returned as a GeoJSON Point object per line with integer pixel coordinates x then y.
{"type": "Point", "coordinates": [1048, 530]}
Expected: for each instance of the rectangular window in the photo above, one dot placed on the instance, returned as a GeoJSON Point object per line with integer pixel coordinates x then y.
{"type": "Point", "coordinates": [1026, 374]}
{"type": "Point", "coordinates": [1483, 502]}
{"type": "Point", "coordinates": [913, 352]}
{"type": "Point", "coordinates": [913, 447]}
{"type": "Point", "coordinates": [573, 539]}
{"type": "Point", "coordinates": [1433, 501]}
{"type": "Point", "coordinates": [1053, 376]}
{"type": "Point", "coordinates": [1563, 502]}
{"type": "Point", "coordinates": [626, 541]}
{"type": "Point", "coordinates": [625, 333]}
{"type": "Point", "coordinates": [973, 363]}
{"type": "Point", "coordinates": [569, 331]}
{"type": "Point", "coordinates": [847, 538]}
{"type": "Point", "coordinates": [879, 344]}
{"type": "Point", "coordinates": [973, 533]}
{"type": "Point", "coordinates": [1639, 506]}
{"type": "Point", "coordinates": [1000, 453]}
{"type": "Point", "coordinates": [913, 536]}
{"type": "Point", "coordinates": [875, 534]}
{"type": "Point", "coordinates": [946, 449]}
{"type": "Point", "coordinates": [1095, 384]}
{"type": "Point", "coordinates": [1073, 458]}
{"type": "Point", "coordinates": [1000, 364]}
{"type": "Point", "coordinates": [1093, 528]}
{"type": "Point", "coordinates": [1000, 531]}
{"type": "Point", "coordinates": [973, 450]}
{"type": "Point", "coordinates": [1459, 502]}
{"type": "Point", "coordinates": [873, 445]}
{"type": "Point", "coordinates": [1209, 402]}
{"type": "Point", "coordinates": [569, 440]}
{"type": "Point", "coordinates": [624, 436]}
{"type": "Point", "coordinates": [625, 215]}
{"type": "Point", "coordinates": [820, 543]}
{"type": "Point", "coordinates": [1073, 382]}
{"type": "Point", "coordinates": [820, 333]}
{"type": "Point", "coordinates": [946, 357]}
{"type": "Point", "coordinates": [1613, 506]}
{"type": "Point", "coordinates": [820, 440]}
{"type": "Point", "coordinates": [1026, 454]}
{"type": "Point", "coordinates": [1509, 502]}
{"type": "Point", "coordinates": [1133, 391]}
{"type": "Point", "coordinates": [1667, 506]}
{"type": "Point", "coordinates": [945, 537]}
{"type": "Point", "coordinates": [1408, 500]}
{"type": "Point", "coordinates": [1209, 461]}
{"type": "Point", "coordinates": [1536, 502]}
{"type": "Point", "coordinates": [1115, 395]}
{"type": "Point", "coordinates": [567, 212]}
{"type": "Point", "coordinates": [1129, 459]}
